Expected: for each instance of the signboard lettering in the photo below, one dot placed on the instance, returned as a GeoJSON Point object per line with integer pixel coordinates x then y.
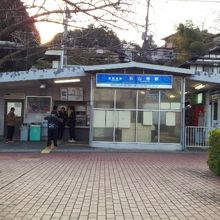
{"type": "Point", "coordinates": [134, 81]}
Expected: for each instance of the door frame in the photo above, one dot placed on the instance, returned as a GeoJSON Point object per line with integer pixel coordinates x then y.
{"type": "Point", "coordinates": [6, 101]}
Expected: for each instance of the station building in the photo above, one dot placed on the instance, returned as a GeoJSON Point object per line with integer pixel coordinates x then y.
{"type": "Point", "coordinates": [122, 106]}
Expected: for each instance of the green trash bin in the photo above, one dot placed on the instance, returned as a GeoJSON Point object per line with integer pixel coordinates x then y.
{"type": "Point", "coordinates": [35, 132]}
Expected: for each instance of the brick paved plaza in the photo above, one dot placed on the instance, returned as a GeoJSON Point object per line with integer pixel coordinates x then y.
{"type": "Point", "coordinates": [108, 186]}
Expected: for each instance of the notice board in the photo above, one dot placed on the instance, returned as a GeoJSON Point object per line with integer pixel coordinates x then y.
{"type": "Point", "coordinates": [71, 94]}
{"type": "Point", "coordinates": [38, 104]}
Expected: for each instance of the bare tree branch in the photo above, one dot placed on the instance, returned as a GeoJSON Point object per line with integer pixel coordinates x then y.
{"type": "Point", "coordinates": [89, 8]}
{"type": "Point", "coordinates": [105, 12]}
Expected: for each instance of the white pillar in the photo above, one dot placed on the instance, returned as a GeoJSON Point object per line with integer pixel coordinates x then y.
{"type": "Point", "coordinates": [207, 110]}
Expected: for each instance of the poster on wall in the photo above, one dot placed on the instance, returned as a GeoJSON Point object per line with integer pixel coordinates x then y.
{"type": "Point", "coordinates": [38, 104]}
{"type": "Point", "coordinates": [64, 94]}
{"type": "Point", "coordinates": [71, 94]}
{"type": "Point", "coordinates": [147, 118]}
{"type": "Point", "coordinates": [75, 94]}
{"type": "Point", "coordinates": [170, 119]}
{"type": "Point", "coordinates": [99, 119]}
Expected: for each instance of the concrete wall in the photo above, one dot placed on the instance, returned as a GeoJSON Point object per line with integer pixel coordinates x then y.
{"type": "Point", "coordinates": [137, 146]}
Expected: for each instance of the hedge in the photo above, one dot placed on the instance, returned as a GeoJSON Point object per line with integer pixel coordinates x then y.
{"type": "Point", "coordinates": [214, 152]}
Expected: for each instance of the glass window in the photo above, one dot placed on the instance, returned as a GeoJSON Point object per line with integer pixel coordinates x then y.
{"type": "Point", "coordinates": [103, 124]}
{"type": "Point", "coordinates": [103, 134]}
{"type": "Point", "coordinates": [170, 127]}
{"type": "Point", "coordinates": [126, 98]}
{"type": "Point", "coordinates": [115, 111]}
{"type": "Point", "coordinates": [147, 127]}
{"type": "Point", "coordinates": [103, 98]}
{"type": "Point", "coordinates": [171, 99]}
{"type": "Point", "coordinates": [17, 106]}
{"type": "Point", "coordinates": [208, 69]}
{"type": "Point", "coordinates": [125, 126]}
{"type": "Point", "coordinates": [148, 99]}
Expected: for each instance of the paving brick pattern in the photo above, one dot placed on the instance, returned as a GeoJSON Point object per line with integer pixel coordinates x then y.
{"type": "Point", "coordinates": [108, 186]}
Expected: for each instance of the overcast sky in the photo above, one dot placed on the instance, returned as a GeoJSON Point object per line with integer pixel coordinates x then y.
{"type": "Point", "coordinates": [164, 17]}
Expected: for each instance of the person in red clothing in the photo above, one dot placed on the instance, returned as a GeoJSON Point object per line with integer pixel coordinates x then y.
{"type": "Point", "coordinates": [10, 120]}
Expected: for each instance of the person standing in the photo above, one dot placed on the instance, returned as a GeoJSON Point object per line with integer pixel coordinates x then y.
{"type": "Point", "coordinates": [55, 110]}
{"type": "Point", "coordinates": [63, 118]}
{"type": "Point", "coordinates": [10, 120]}
{"type": "Point", "coordinates": [71, 123]}
{"type": "Point", "coordinates": [53, 122]}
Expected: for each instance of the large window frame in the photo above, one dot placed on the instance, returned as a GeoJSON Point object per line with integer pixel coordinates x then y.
{"type": "Point", "coordinates": [137, 111]}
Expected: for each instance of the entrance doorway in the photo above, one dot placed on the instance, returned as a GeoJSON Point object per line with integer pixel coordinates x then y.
{"type": "Point", "coordinates": [82, 119]}
{"type": "Point", "coordinates": [19, 112]}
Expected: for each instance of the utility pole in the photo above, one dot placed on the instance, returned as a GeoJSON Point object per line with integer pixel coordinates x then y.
{"type": "Point", "coordinates": [63, 58]}
{"type": "Point", "coordinates": [145, 34]}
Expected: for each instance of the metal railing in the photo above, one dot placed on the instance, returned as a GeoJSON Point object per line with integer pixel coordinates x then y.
{"type": "Point", "coordinates": [197, 136]}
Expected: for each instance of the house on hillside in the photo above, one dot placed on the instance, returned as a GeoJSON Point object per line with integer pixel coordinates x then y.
{"type": "Point", "coordinates": [166, 52]}
{"type": "Point", "coordinates": [80, 56]}
{"type": "Point", "coordinates": [210, 62]}
{"type": "Point", "coordinates": [163, 54]}
{"type": "Point", "coordinates": [169, 41]}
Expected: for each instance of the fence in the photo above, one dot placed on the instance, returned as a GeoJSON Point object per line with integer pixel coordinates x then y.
{"type": "Point", "coordinates": [197, 136]}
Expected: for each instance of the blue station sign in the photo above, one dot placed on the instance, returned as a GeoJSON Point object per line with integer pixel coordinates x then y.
{"type": "Point", "coordinates": [134, 81]}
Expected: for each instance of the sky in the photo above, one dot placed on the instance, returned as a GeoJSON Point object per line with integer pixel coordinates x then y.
{"type": "Point", "coordinates": [164, 17]}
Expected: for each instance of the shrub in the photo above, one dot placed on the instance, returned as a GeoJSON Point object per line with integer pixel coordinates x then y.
{"type": "Point", "coordinates": [214, 151]}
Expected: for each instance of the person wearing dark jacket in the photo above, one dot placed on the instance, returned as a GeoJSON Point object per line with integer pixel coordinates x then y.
{"type": "Point", "coordinates": [53, 123]}
{"type": "Point", "coordinates": [71, 123]}
{"type": "Point", "coordinates": [55, 110]}
{"type": "Point", "coordinates": [62, 115]}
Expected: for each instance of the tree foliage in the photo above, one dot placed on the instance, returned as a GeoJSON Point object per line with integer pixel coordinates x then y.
{"type": "Point", "coordinates": [19, 48]}
{"type": "Point", "coordinates": [14, 12]}
{"type": "Point", "coordinates": [190, 41]}
{"type": "Point", "coordinates": [83, 45]}
{"type": "Point", "coordinates": [89, 37]}
{"type": "Point", "coordinates": [214, 152]}
{"type": "Point", "coordinates": [73, 13]}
